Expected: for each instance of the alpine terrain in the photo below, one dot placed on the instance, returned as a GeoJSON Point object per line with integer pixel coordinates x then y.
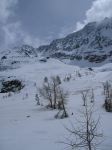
{"type": "Point", "coordinates": [45, 91]}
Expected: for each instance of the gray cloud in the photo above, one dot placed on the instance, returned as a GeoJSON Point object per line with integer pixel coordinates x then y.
{"type": "Point", "coordinates": [98, 11]}
{"type": "Point", "coordinates": [14, 36]}
{"type": "Point", "coordinates": [11, 31]}
{"type": "Point", "coordinates": [6, 9]}
{"type": "Point", "coordinates": [6, 13]}
{"type": "Point", "coordinates": [37, 22]}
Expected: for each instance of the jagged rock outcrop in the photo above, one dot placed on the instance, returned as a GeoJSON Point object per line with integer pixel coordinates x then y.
{"type": "Point", "coordinates": [92, 43]}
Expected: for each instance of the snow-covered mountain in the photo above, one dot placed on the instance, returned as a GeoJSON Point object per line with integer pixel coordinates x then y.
{"type": "Point", "coordinates": [93, 43]}
{"type": "Point", "coordinates": [13, 57]}
{"type": "Point", "coordinates": [91, 46]}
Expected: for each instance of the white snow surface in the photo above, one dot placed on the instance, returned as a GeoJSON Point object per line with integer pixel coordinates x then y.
{"type": "Point", "coordinates": [26, 126]}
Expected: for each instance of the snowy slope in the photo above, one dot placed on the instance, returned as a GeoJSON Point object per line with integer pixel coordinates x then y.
{"type": "Point", "coordinates": [93, 43]}
{"type": "Point", "coordinates": [12, 58]}
{"type": "Point", "coordinates": [26, 126]}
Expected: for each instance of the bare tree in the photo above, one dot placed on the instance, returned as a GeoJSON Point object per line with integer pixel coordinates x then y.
{"type": "Point", "coordinates": [46, 93]}
{"type": "Point", "coordinates": [62, 101]}
{"type": "Point", "coordinates": [45, 80]}
{"type": "Point", "coordinates": [78, 74]}
{"type": "Point", "coordinates": [108, 96]}
{"type": "Point", "coordinates": [55, 95]}
{"type": "Point", "coordinates": [49, 90]}
{"type": "Point", "coordinates": [84, 94]}
{"type": "Point", "coordinates": [85, 136]}
{"type": "Point", "coordinates": [106, 87]}
{"type": "Point", "coordinates": [108, 102]}
{"type": "Point", "coordinates": [54, 86]}
{"type": "Point", "coordinates": [63, 96]}
{"type": "Point", "coordinates": [67, 78]}
{"type": "Point", "coordinates": [92, 98]}
{"type": "Point", "coordinates": [58, 79]}
{"type": "Point", "coordinates": [37, 99]}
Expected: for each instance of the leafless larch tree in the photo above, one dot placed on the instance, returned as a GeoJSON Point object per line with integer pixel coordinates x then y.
{"type": "Point", "coordinates": [84, 134]}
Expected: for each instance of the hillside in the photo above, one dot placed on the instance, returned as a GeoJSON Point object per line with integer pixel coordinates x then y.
{"type": "Point", "coordinates": [91, 44]}
{"type": "Point", "coordinates": [25, 125]}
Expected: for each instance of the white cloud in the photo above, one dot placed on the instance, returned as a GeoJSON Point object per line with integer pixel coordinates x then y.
{"type": "Point", "coordinates": [14, 36]}
{"type": "Point", "coordinates": [98, 11]}
{"type": "Point", "coordinates": [6, 9]}
{"type": "Point", "coordinates": [35, 42]}
{"type": "Point", "coordinates": [12, 32]}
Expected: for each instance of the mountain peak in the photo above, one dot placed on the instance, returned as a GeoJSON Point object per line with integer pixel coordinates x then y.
{"type": "Point", "coordinates": [92, 43]}
{"type": "Point", "coordinates": [105, 23]}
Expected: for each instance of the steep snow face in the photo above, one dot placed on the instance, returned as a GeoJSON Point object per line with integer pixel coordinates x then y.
{"type": "Point", "coordinates": [93, 43]}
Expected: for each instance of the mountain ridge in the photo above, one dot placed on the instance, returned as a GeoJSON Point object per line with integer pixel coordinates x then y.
{"type": "Point", "coordinates": [92, 44]}
{"type": "Point", "coordinates": [94, 39]}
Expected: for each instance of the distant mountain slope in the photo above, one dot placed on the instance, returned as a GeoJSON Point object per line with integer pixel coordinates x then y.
{"type": "Point", "coordinates": [13, 57]}
{"type": "Point", "coordinates": [91, 46]}
{"type": "Point", "coordinates": [92, 43]}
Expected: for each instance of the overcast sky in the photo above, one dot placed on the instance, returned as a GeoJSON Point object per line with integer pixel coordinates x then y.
{"type": "Point", "coordinates": [37, 22]}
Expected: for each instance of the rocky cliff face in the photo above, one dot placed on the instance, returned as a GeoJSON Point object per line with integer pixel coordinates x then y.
{"type": "Point", "coordinates": [93, 43]}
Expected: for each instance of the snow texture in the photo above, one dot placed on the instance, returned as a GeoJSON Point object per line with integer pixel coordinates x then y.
{"type": "Point", "coordinates": [26, 126]}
